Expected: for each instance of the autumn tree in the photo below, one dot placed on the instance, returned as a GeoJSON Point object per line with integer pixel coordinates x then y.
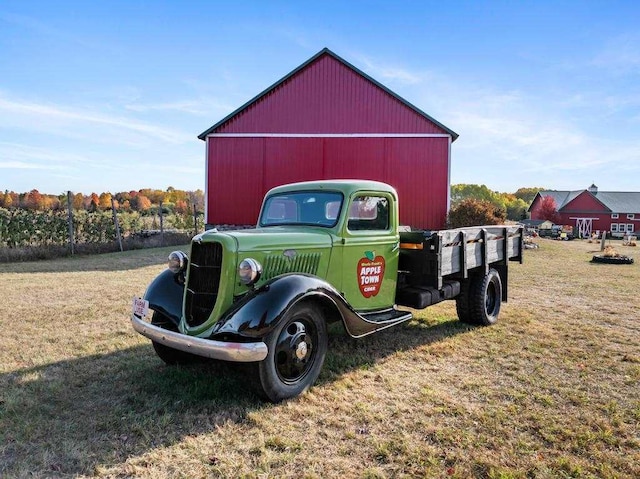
{"type": "Point", "coordinates": [472, 212]}
{"type": "Point", "coordinates": [6, 200]}
{"type": "Point", "coordinates": [141, 203]}
{"type": "Point", "coordinates": [197, 198]}
{"type": "Point", "coordinates": [105, 201]}
{"type": "Point", "coordinates": [33, 200]}
{"type": "Point", "coordinates": [548, 210]}
{"type": "Point", "coordinates": [78, 201]}
{"type": "Point", "coordinates": [94, 202]}
{"type": "Point", "coordinates": [181, 207]}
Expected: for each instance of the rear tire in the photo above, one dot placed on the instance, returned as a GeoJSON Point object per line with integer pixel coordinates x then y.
{"type": "Point", "coordinates": [462, 302]}
{"type": "Point", "coordinates": [297, 348]}
{"type": "Point", "coordinates": [169, 355]}
{"type": "Point", "coordinates": [480, 299]}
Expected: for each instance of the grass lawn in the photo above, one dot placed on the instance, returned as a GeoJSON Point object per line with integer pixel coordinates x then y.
{"type": "Point", "coordinates": [552, 390]}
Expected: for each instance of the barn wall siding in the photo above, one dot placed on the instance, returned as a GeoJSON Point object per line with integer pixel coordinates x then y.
{"type": "Point", "coordinates": [242, 170]}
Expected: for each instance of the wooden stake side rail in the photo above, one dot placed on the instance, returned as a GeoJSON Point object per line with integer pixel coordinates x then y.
{"type": "Point", "coordinates": [455, 252]}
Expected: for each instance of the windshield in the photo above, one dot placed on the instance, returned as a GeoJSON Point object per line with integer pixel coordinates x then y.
{"type": "Point", "coordinates": [302, 208]}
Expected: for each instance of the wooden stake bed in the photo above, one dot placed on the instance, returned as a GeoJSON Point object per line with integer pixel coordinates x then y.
{"type": "Point", "coordinates": [429, 256]}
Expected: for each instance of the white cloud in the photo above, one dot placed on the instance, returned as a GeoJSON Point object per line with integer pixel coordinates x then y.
{"type": "Point", "coordinates": [200, 107]}
{"type": "Point", "coordinates": [621, 54]}
{"type": "Point", "coordinates": [390, 73]}
{"type": "Point", "coordinates": [53, 117]}
{"type": "Point", "coordinates": [523, 137]}
{"type": "Point", "coordinates": [22, 165]}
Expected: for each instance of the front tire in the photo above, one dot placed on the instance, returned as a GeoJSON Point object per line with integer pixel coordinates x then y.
{"type": "Point", "coordinates": [169, 355]}
{"type": "Point", "coordinates": [297, 348]}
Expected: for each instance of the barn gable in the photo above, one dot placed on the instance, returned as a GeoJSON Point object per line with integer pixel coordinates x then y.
{"type": "Point", "coordinates": [336, 96]}
{"type": "Point", "coordinates": [584, 202]}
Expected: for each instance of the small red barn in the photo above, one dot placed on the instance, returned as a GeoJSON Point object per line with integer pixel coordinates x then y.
{"type": "Point", "coordinates": [591, 210]}
{"type": "Point", "coordinates": [327, 120]}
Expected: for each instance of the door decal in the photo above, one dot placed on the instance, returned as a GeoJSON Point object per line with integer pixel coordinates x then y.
{"type": "Point", "coordinates": [370, 274]}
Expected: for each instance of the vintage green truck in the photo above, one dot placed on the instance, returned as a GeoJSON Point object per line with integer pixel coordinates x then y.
{"type": "Point", "coordinates": [322, 251]}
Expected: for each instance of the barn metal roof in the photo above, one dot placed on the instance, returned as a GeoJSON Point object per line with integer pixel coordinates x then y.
{"type": "Point", "coordinates": [616, 201]}
{"type": "Point", "coordinates": [620, 202]}
{"type": "Point", "coordinates": [326, 51]}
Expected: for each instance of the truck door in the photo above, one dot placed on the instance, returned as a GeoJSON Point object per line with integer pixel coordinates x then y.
{"type": "Point", "coordinates": [370, 251]}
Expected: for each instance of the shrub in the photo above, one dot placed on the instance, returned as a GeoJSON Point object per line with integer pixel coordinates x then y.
{"type": "Point", "coordinates": [472, 212]}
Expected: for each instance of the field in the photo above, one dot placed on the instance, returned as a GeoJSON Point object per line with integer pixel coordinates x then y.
{"type": "Point", "coordinates": [552, 390]}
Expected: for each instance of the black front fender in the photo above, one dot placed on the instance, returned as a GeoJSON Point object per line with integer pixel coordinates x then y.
{"type": "Point", "coordinates": [165, 296]}
{"type": "Point", "coordinates": [256, 314]}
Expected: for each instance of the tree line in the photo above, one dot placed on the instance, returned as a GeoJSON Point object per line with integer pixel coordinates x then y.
{"type": "Point", "coordinates": [144, 201]}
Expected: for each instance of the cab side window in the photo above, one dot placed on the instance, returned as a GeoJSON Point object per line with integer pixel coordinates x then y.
{"type": "Point", "coordinates": [369, 213]}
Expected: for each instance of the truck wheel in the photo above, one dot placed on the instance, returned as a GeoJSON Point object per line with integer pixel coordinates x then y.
{"type": "Point", "coordinates": [297, 348]}
{"type": "Point", "coordinates": [169, 355]}
{"type": "Point", "coordinates": [462, 302]}
{"type": "Point", "coordinates": [485, 298]}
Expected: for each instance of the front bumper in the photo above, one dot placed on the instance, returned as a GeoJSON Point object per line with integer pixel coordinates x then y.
{"type": "Point", "coordinates": [208, 348]}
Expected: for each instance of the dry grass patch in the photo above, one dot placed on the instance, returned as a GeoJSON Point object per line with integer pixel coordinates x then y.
{"type": "Point", "coordinates": [552, 390]}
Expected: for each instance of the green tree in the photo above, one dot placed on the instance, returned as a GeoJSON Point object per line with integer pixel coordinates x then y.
{"type": "Point", "coordinates": [527, 194]}
{"type": "Point", "coordinates": [464, 191]}
{"type": "Point", "coordinates": [516, 209]}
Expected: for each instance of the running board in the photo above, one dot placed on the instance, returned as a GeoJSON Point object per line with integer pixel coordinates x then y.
{"type": "Point", "coordinates": [362, 324]}
{"type": "Point", "coordinates": [386, 316]}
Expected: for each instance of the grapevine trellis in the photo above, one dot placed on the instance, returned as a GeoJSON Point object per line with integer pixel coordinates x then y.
{"type": "Point", "coordinates": [20, 227]}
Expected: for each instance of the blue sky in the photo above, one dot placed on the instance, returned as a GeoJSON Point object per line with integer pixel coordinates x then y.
{"type": "Point", "coordinates": [110, 96]}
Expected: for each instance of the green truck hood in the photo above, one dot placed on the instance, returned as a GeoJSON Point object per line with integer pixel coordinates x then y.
{"type": "Point", "coordinates": [280, 238]}
{"type": "Point", "coordinates": [279, 249]}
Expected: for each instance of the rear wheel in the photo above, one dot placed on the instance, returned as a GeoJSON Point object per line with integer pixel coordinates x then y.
{"type": "Point", "coordinates": [169, 355]}
{"type": "Point", "coordinates": [297, 348]}
{"type": "Point", "coordinates": [462, 302]}
{"type": "Point", "coordinates": [480, 299]}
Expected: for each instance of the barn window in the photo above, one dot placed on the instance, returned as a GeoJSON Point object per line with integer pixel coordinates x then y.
{"type": "Point", "coordinates": [369, 213]}
{"type": "Point", "coordinates": [614, 227]}
{"type": "Point", "coordinates": [629, 227]}
{"type": "Point", "coordinates": [630, 216]}
{"type": "Point", "coordinates": [614, 216]}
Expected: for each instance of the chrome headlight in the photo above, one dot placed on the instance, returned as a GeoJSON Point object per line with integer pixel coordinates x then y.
{"type": "Point", "coordinates": [177, 262]}
{"type": "Point", "coordinates": [249, 271]}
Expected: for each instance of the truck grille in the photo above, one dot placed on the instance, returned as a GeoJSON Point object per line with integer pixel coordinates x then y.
{"type": "Point", "coordinates": [279, 264]}
{"type": "Point", "coordinates": [203, 282]}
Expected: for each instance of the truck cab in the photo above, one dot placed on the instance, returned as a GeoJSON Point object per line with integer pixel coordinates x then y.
{"type": "Point", "coordinates": [321, 252]}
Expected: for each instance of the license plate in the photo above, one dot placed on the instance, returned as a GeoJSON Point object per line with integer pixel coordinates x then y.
{"type": "Point", "coordinates": [140, 307]}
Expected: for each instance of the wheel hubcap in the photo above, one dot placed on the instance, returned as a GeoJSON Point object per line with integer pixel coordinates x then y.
{"type": "Point", "coordinates": [490, 302]}
{"type": "Point", "coordinates": [301, 350]}
{"type": "Point", "coordinates": [295, 350]}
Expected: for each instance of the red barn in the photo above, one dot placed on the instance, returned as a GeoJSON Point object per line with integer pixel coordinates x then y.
{"type": "Point", "coordinates": [591, 210]}
{"type": "Point", "coordinates": [327, 120]}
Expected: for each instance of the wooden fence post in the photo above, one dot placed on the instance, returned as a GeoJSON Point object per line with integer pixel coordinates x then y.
{"type": "Point", "coordinates": [161, 225]}
{"type": "Point", "coordinates": [70, 207]}
{"type": "Point", "coordinates": [115, 221]}
{"type": "Point", "coordinates": [195, 220]}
